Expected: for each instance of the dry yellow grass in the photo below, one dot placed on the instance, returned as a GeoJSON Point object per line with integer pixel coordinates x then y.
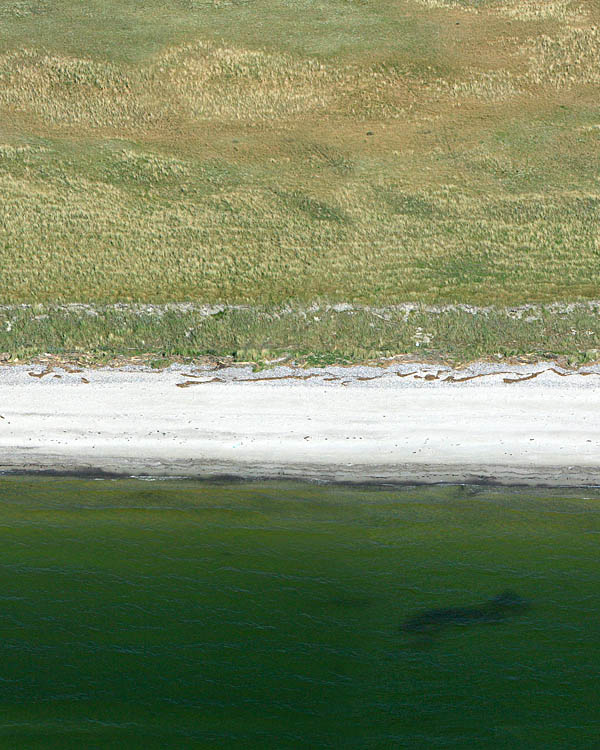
{"type": "Point", "coordinates": [568, 59]}
{"type": "Point", "coordinates": [67, 91]}
{"type": "Point", "coordinates": [196, 82]}
{"type": "Point", "coordinates": [520, 10]}
{"type": "Point", "coordinates": [565, 60]}
{"type": "Point", "coordinates": [221, 83]}
{"type": "Point", "coordinates": [543, 10]}
{"type": "Point", "coordinates": [460, 166]}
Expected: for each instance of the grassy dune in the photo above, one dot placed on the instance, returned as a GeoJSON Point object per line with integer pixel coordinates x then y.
{"type": "Point", "coordinates": [262, 151]}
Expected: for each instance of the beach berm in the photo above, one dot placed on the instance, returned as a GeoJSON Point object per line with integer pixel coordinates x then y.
{"type": "Point", "coordinates": [535, 425]}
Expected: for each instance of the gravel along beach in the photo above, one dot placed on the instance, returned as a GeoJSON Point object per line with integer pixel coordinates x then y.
{"type": "Point", "coordinates": [404, 423]}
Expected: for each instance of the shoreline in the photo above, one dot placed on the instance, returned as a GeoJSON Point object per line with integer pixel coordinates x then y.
{"type": "Point", "coordinates": [407, 476]}
{"type": "Point", "coordinates": [528, 425]}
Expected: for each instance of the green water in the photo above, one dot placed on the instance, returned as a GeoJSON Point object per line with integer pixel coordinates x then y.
{"type": "Point", "coordinates": [175, 615]}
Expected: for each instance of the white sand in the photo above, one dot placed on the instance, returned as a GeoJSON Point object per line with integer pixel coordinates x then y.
{"type": "Point", "coordinates": [395, 426]}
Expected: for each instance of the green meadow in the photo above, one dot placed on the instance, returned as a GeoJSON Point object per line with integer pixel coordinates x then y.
{"type": "Point", "coordinates": [262, 152]}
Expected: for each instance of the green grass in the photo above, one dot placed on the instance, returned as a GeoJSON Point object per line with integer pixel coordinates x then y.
{"type": "Point", "coordinates": [311, 336]}
{"type": "Point", "coordinates": [262, 151]}
{"type": "Point", "coordinates": [133, 30]}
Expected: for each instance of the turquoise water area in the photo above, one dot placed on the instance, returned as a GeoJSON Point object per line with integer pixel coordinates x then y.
{"type": "Point", "coordinates": [270, 615]}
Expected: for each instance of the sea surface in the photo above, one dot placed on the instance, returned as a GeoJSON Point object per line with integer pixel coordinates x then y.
{"type": "Point", "coordinates": [168, 614]}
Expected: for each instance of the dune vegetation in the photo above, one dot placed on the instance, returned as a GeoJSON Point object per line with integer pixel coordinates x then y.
{"type": "Point", "coordinates": [261, 152]}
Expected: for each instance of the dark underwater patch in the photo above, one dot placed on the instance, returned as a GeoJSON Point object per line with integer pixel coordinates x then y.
{"type": "Point", "coordinates": [431, 621]}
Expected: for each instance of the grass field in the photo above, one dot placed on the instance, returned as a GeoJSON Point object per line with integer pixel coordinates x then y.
{"type": "Point", "coordinates": [266, 151]}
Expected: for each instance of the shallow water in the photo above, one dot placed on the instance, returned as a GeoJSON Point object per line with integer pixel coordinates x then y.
{"type": "Point", "coordinates": [174, 615]}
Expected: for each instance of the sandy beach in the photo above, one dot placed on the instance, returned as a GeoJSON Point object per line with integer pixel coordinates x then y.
{"type": "Point", "coordinates": [527, 424]}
